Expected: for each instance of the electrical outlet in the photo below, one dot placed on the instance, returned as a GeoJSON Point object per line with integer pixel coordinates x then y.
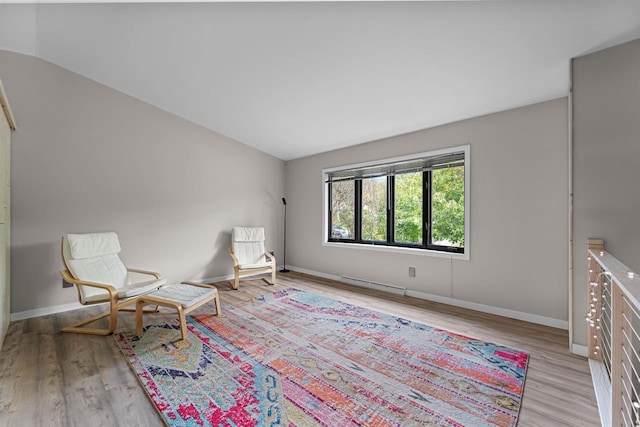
{"type": "Point", "coordinates": [66, 284]}
{"type": "Point", "coordinates": [412, 272]}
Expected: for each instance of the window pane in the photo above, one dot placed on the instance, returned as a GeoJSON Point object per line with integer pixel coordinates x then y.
{"type": "Point", "coordinates": [374, 209]}
{"type": "Point", "coordinates": [447, 207]}
{"type": "Point", "coordinates": [408, 208]}
{"type": "Point", "coordinates": [342, 210]}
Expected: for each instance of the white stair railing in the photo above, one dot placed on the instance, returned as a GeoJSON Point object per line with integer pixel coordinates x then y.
{"type": "Point", "coordinates": [614, 337]}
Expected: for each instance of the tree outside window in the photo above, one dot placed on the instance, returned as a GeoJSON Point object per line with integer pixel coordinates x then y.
{"type": "Point", "coordinates": [342, 210]}
{"type": "Point", "coordinates": [410, 202]}
{"type": "Point", "coordinates": [408, 208]}
{"type": "Point", "coordinates": [447, 207]}
{"type": "Point", "coordinates": [374, 209]}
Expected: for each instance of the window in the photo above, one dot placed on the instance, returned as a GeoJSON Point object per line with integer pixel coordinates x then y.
{"type": "Point", "coordinates": [413, 202]}
{"type": "Point", "coordinates": [342, 210]}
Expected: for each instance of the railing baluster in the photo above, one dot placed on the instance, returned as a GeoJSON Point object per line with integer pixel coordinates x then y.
{"type": "Point", "coordinates": [614, 335]}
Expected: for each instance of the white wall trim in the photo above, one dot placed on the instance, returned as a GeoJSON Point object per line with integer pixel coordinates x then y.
{"type": "Point", "coordinates": [37, 312]}
{"type": "Point", "coordinates": [504, 312]}
{"type": "Point", "coordinates": [44, 311]}
{"type": "Point", "coordinates": [527, 317]}
{"type": "Point", "coordinates": [533, 318]}
{"type": "Point", "coordinates": [315, 273]}
{"type": "Point", "coordinates": [580, 350]}
{"type": "Point", "coordinates": [214, 279]}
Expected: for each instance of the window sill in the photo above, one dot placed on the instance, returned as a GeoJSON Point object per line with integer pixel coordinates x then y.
{"type": "Point", "coordinates": [398, 250]}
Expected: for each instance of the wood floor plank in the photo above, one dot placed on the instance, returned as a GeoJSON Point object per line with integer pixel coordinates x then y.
{"type": "Point", "coordinates": [52, 379]}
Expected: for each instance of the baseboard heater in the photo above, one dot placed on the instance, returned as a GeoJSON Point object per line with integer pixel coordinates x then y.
{"type": "Point", "coordinates": [373, 285]}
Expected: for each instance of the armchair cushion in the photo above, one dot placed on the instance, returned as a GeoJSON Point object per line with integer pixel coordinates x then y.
{"type": "Point", "coordinates": [126, 291]}
{"type": "Point", "coordinates": [93, 245]}
{"type": "Point", "coordinates": [106, 270]}
{"type": "Point", "coordinates": [94, 258]}
{"type": "Point", "coordinates": [140, 288]}
{"type": "Point", "coordinates": [248, 246]}
{"type": "Point", "coordinates": [255, 266]}
{"type": "Point", "coordinates": [247, 234]}
{"type": "Point", "coordinates": [249, 255]}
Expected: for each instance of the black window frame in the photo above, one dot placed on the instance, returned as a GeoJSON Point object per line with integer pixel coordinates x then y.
{"type": "Point", "coordinates": [426, 243]}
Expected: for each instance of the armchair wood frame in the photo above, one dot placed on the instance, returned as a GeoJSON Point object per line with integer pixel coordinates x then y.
{"type": "Point", "coordinates": [115, 305]}
{"type": "Point", "coordinates": [235, 284]}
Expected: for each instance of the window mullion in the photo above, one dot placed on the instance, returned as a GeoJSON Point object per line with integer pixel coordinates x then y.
{"type": "Point", "coordinates": [426, 208]}
{"type": "Point", "coordinates": [358, 210]}
{"type": "Point", "coordinates": [391, 195]}
{"type": "Point", "coordinates": [330, 218]}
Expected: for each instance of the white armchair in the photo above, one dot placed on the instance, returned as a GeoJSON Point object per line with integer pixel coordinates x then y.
{"type": "Point", "coordinates": [249, 255]}
{"type": "Point", "coordinates": [92, 264]}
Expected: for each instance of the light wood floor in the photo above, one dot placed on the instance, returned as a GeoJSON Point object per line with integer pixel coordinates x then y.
{"type": "Point", "coordinates": [53, 379]}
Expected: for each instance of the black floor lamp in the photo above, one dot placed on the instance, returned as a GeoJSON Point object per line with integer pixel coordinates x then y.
{"type": "Point", "coordinates": [284, 257]}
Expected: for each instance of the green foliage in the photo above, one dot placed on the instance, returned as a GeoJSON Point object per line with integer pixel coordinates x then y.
{"type": "Point", "coordinates": [374, 209]}
{"type": "Point", "coordinates": [342, 199]}
{"type": "Point", "coordinates": [408, 211]}
{"type": "Point", "coordinates": [447, 208]}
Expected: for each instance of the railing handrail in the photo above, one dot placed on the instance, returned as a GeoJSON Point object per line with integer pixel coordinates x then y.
{"type": "Point", "coordinates": [627, 279]}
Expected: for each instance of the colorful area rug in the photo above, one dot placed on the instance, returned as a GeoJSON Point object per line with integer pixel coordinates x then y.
{"type": "Point", "coordinates": [293, 358]}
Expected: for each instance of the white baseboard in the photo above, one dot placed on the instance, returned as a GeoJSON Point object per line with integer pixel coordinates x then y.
{"type": "Point", "coordinates": [580, 350]}
{"type": "Point", "coordinates": [512, 314]}
{"type": "Point", "coordinates": [37, 312]}
{"type": "Point", "coordinates": [504, 312]}
{"type": "Point", "coordinates": [213, 279]}
{"type": "Point", "coordinates": [533, 318]}
{"type": "Point", "coordinates": [315, 273]}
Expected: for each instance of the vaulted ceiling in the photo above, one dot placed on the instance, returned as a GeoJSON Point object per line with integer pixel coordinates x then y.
{"type": "Point", "coordinates": [295, 79]}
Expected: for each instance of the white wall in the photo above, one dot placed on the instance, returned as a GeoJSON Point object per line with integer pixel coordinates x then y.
{"type": "Point", "coordinates": [89, 158]}
{"type": "Point", "coordinates": [519, 244]}
{"type": "Point", "coordinates": [606, 163]}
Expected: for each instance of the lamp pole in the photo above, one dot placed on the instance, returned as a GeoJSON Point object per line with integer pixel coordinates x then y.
{"type": "Point", "coordinates": [284, 265]}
